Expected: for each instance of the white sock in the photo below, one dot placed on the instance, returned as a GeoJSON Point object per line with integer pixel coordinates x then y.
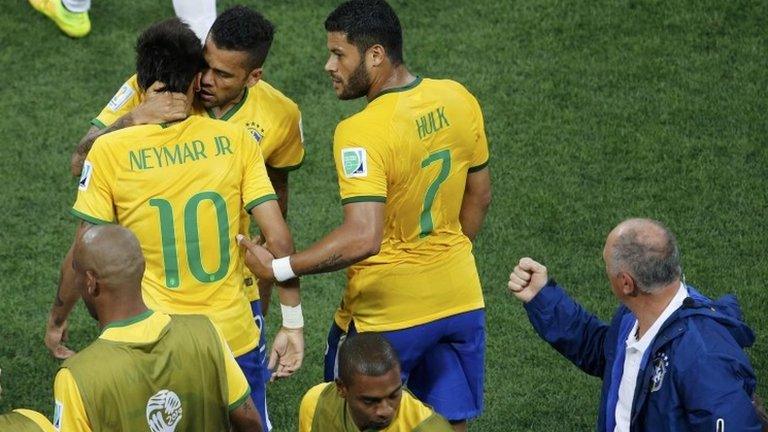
{"type": "Point", "coordinates": [198, 14]}
{"type": "Point", "coordinates": [77, 6]}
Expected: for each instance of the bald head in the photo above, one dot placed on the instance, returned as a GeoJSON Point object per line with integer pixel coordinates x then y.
{"type": "Point", "coordinates": [113, 254]}
{"type": "Point", "coordinates": [647, 250]}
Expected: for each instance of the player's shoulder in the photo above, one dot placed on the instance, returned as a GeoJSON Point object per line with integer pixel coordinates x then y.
{"type": "Point", "coordinates": [360, 129]}
{"type": "Point", "coordinates": [310, 399]}
{"type": "Point", "coordinates": [314, 392]}
{"type": "Point", "coordinates": [450, 89]}
{"type": "Point", "coordinates": [280, 105]}
{"type": "Point", "coordinates": [197, 125]}
{"type": "Point", "coordinates": [445, 84]}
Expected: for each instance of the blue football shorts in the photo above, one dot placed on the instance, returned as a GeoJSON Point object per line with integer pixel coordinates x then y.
{"type": "Point", "coordinates": [442, 362]}
{"type": "Point", "coordinates": [254, 366]}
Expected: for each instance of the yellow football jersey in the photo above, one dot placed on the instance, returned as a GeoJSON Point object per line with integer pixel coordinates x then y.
{"type": "Point", "coordinates": [412, 415]}
{"type": "Point", "coordinates": [181, 189]}
{"type": "Point", "coordinates": [70, 413]}
{"type": "Point", "coordinates": [21, 420]}
{"type": "Point", "coordinates": [412, 148]}
{"type": "Point", "coordinates": [270, 117]}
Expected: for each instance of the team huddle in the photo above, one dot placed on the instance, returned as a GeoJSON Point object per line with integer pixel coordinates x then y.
{"type": "Point", "coordinates": [195, 147]}
{"type": "Point", "coordinates": [182, 236]}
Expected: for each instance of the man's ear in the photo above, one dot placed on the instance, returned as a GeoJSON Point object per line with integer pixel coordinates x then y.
{"type": "Point", "coordinates": [341, 388]}
{"type": "Point", "coordinates": [628, 286]}
{"type": "Point", "coordinates": [91, 283]}
{"type": "Point", "coordinates": [375, 55]}
{"type": "Point", "coordinates": [254, 77]}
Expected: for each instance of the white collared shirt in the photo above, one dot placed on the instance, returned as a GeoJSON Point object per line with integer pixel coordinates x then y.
{"type": "Point", "coordinates": [635, 350]}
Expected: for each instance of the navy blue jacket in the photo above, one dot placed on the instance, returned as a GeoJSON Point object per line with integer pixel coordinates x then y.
{"type": "Point", "coordinates": [696, 377]}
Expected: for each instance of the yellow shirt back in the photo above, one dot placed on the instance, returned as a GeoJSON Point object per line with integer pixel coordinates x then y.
{"type": "Point", "coordinates": [181, 189]}
{"type": "Point", "coordinates": [270, 117]}
{"type": "Point", "coordinates": [412, 148]}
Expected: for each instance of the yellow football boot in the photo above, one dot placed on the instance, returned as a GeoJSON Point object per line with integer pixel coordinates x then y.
{"type": "Point", "coordinates": [73, 24]}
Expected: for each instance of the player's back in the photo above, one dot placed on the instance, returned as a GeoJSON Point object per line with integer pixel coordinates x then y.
{"type": "Point", "coordinates": [413, 148]}
{"type": "Point", "coordinates": [181, 189]}
{"type": "Point", "coordinates": [171, 373]}
{"type": "Point", "coordinates": [425, 139]}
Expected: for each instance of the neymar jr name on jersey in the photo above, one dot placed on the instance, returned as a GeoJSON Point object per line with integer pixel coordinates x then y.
{"type": "Point", "coordinates": [176, 154]}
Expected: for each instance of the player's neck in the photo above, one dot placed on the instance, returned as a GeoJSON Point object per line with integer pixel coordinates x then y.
{"type": "Point", "coordinates": [127, 309]}
{"type": "Point", "coordinates": [395, 77]}
{"type": "Point", "coordinates": [219, 111]}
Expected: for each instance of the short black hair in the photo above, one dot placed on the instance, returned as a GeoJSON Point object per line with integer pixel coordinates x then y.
{"type": "Point", "coordinates": [240, 28]}
{"type": "Point", "coordinates": [168, 51]}
{"type": "Point", "coordinates": [368, 354]}
{"type": "Point", "coordinates": [367, 23]}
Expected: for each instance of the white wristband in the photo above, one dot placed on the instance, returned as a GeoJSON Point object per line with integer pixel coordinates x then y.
{"type": "Point", "coordinates": [281, 268]}
{"type": "Point", "coordinates": [292, 317]}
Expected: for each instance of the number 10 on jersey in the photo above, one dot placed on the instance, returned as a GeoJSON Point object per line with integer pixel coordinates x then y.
{"type": "Point", "coordinates": [192, 238]}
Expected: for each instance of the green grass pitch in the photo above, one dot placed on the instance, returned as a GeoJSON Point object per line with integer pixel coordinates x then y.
{"type": "Point", "coordinates": [595, 110]}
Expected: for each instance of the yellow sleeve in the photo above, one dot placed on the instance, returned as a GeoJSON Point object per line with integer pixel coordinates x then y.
{"type": "Point", "coordinates": [43, 423]}
{"type": "Point", "coordinates": [69, 413]}
{"type": "Point", "coordinates": [95, 202]}
{"type": "Point", "coordinates": [288, 152]}
{"type": "Point", "coordinates": [256, 186]}
{"type": "Point", "coordinates": [480, 155]}
{"type": "Point", "coordinates": [237, 385]}
{"type": "Point", "coordinates": [124, 101]}
{"type": "Point", "coordinates": [360, 166]}
{"type": "Point", "coordinates": [308, 406]}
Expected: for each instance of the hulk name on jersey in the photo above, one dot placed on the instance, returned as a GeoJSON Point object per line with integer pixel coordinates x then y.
{"type": "Point", "coordinates": [181, 189]}
{"type": "Point", "coordinates": [177, 154]}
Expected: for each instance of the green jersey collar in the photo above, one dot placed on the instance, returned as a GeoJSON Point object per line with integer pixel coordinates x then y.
{"type": "Point", "coordinates": [406, 87]}
{"type": "Point", "coordinates": [230, 112]}
{"type": "Point", "coordinates": [128, 321]}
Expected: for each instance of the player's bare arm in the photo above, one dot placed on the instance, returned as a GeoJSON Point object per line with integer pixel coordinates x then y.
{"type": "Point", "coordinates": [157, 107]}
{"type": "Point", "coordinates": [474, 205]}
{"type": "Point", "coordinates": [358, 238]}
{"type": "Point", "coordinates": [245, 418]}
{"type": "Point", "coordinates": [279, 180]}
{"type": "Point", "coordinates": [66, 298]}
{"type": "Point", "coordinates": [287, 353]}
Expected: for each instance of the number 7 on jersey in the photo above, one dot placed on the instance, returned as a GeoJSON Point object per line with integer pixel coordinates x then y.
{"type": "Point", "coordinates": [444, 158]}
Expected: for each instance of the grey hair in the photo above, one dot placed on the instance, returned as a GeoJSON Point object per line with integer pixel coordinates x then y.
{"type": "Point", "coordinates": [652, 261]}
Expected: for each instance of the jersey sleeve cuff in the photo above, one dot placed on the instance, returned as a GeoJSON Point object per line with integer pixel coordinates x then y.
{"type": "Point", "coordinates": [240, 401]}
{"type": "Point", "coordinates": [89, 218]}
{"type": "Point", "coordinates": [478, 167]}
{"type": "Point", "coordinates": [98, 123]}
{"type": "Point", "coordinates": [287, 168]}
{"type": "Point", "coordinates": [258, 201]}
{"type": "Point", "coordinates": [364, 198]}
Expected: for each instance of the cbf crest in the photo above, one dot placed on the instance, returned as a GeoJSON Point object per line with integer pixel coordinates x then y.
{"type": "Point", "coordinates": [660, 366]}
{"type": "Point", "coordinates": [257, 132]}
